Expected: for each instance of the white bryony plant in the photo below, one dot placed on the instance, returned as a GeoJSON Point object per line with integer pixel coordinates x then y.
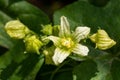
{"type": "Point", "coordinates": [68, 42]}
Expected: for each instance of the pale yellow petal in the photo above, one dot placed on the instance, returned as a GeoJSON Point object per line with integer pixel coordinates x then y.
{"type": "Point", "coordinates": [80, 50]}
{"type": "Point", "coordinates": [55, 40]}
{"type": "Point", "coordinates": [60, 55]}
{"type": "Point", "coordinates": [81, 33]}
{"type": "Point", "coordinates": [64, 27]}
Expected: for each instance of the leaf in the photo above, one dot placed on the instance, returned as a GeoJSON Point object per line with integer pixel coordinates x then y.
{"type": "Point", "coordinates": [29, 15]}
{"type": "Point", "coordinates": [103, 71]}
{"type": "Point", "coordinates": [8, 63]}
{"type": "Point", "coordinates": [4, 17]}
{"type": "Point", "coordinates": [67, 75]}
{"type": "Point", "coordinates": [115, 70]}
{"type": "Point", "coordinates": [85, 70]}
{"type": "Point", "coordinates": [16, 65]}
{"type": "Point", "coordinates": [4, 3]}
{"type": "Point", "coordinates": [5, 40]}
{"type": "Point", "coordinates": [29, 67]}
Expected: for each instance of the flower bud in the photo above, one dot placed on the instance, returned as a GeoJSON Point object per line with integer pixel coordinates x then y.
{"type": "Point", "coordinates": [47, 29]}
{"type": "Point", "coordinates": [16, 29]}
{"type": "Point", "coordinates": [102, 40]}
{"type": "Point", "coordinates": [33, 44]}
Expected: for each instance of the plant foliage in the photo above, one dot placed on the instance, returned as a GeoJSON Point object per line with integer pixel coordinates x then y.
{"type": "Point", "coordinates": [98, 65]}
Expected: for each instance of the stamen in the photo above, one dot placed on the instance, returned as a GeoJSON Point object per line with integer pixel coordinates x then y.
{"type": "Point", "coordinates": [68, 43]}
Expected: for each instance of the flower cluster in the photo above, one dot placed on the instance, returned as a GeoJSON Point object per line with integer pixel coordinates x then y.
{"type": "Point", "coordinates": [18, 30]}
{"type": "Point", "coordinates": [65, 41]}
{"type": "Point", "coordinates": [68, 42]}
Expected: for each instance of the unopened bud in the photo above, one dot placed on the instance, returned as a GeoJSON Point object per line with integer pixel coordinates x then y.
{"type": "Point", "coordinates": [47, 29]}
{"type": "Point", "coordinates": [16, 29]}
{"type": "Point", "coordinates": [102, 40]}
{"type": "Point", "coordinates": [33, 44]}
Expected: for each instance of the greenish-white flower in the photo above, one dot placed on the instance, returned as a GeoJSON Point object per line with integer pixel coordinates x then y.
{"type": "Point", "coordinates": [68, 42]}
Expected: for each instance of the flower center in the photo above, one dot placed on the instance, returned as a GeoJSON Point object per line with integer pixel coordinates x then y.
{"type": "Point", "coordinates": [68, 43]}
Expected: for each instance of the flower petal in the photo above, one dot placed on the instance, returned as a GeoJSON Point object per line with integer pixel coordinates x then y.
{"type": "Point", "coordinates": [55, 40]}
{"type": "Point", "coordinates": [64, 27]}
{"type": "Point", "coordinates": [81, 33]}
{"type": "Point", "coordinates": [60, 55]}
{"type": "Point", "coordinates": [81, 50]}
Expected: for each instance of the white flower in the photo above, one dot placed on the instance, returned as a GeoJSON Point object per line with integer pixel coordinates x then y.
{"type": "Point", "coordinates": [68, 42]}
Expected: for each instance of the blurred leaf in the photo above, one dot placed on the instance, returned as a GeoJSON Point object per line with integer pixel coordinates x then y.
{"type": "Point", "coordinates": [85, 70]}
{"type": "Point", "coordinates": [8, 63]}
{"type": "Point", "coordinates": [5, 40]}
{"type": "Point", "coordinates": [4, 3]}
{"type": "Point", "coordinates": [4, 17]}
{"type": "Point", "coordinates": [103, 73]}
{"type": "Point", "coordinates": [115, 70]}
{"type": "Point", "coordinates": [16, 65]}
{"type": "Point", "coordinates": [29, 15]}
{"type": "Point", "coordinates": [67, 75]}
{"type": "Point", "coordinates": [45, 72]}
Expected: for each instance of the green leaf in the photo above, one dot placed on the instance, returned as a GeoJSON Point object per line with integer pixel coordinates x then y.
{"type": "Point", "coordinates": [103, 73]}
{"type": "Point", "coordinates": [4, 17]}
{"type": "Point", "coordinates": [67, 75]}
{"type": "Point", "coordinates": [85, 70]}
{"type": "Point", "coordinates": [5, 40]}
{"type": "Point", "coordinates": [17, 65]}
{"type": "Point", "coordinates": [4, 3]}
{"type": "Point", "coordinates": [29, 15]}
{"type": "Point", "coordinates": [115, 70]}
